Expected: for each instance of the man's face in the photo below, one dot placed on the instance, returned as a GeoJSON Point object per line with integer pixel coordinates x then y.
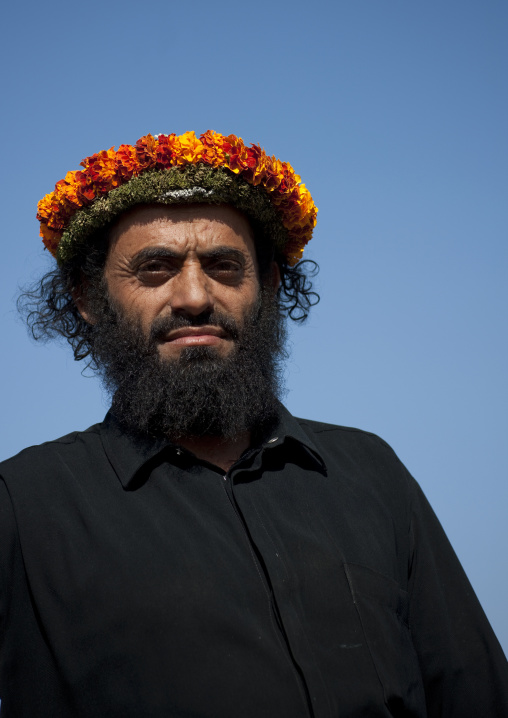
{"type": "Point", "coordinates": [185, 338]}
{"type": "Point", "coordinates": [183, 262]}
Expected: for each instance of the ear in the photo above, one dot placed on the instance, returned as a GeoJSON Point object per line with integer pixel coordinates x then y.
{"type": "Point", "coordinates": [79, 298]}
{"type": "Point", "coordinates": [273, 278]}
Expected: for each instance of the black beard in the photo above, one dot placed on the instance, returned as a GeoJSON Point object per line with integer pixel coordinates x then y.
{"type": "Point", "coordinates": [199, 393]}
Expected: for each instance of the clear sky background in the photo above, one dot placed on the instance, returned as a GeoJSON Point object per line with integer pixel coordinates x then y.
{"type": "Point", "coordinates": [395, 114]}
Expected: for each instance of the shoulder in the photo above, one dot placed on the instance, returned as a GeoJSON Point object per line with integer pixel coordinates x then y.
{"type": "Point", "coordinates": [40, 480]}
{"type": "Point", "coordinates": [359, 458]}
{"type": "Point", "coordinates": [74, 446]}
{"type": "Point", "coordinates": [336, 437]}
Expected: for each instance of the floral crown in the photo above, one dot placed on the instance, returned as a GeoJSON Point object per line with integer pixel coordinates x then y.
{"type": "Point", "coordinates": [170, 169]}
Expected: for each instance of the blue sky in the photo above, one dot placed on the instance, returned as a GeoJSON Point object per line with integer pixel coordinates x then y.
{"type": "Point", "coordinates": [395, 114]}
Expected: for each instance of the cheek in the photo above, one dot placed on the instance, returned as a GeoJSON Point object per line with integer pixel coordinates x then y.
{"type": "Point", "coordinates": [238, 303]}
{"type": "Point", "coordinates": [136, 303]}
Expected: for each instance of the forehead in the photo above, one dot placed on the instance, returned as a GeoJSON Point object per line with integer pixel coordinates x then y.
{"type": "Point", "coordinates": [182, 228]}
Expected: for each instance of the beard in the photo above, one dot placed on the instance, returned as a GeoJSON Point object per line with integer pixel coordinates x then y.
{"type": "Point", "coordinates": [200, 392]}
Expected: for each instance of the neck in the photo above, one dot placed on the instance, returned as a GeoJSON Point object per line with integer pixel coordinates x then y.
{"type": "Point", "coordinates": [217, 450]}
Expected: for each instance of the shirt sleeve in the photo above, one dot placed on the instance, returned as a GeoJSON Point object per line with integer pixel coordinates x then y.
{"type": "Point", "coordinates": [8, 542]}
{"type": "Point", "coordinates": [9, 554]}
{"type": "Point", "coordinates": [464, 669]}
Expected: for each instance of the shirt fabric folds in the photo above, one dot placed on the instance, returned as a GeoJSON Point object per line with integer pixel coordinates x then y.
{"type": "Point", "coordinates": [312, 580]}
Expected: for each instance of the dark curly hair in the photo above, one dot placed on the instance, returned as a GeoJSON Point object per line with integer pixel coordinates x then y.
{"type": "Point", "coordinates": [50, 311]}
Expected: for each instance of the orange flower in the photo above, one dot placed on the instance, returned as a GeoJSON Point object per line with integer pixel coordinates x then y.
{"type": "Point", "coordinates": [102, 169]}
{"type": "Point", "coordinates": [145, 150]}
{"type": "Point", "coordinates": [189, 149]}
{"type": "Point", "coordinates": [109, 169]}
{"type": "Point", "coordinates": [84, 187]}
{"type": "Point", "coordinates": [127, 162]}
{"type": "Point", "coordinates": [259, 170]}
{"type": "Point", "coordinates": [44, 207]}
{"type": "Point", "coordinates": [213, 151]}
{"type": "Point", "coordinates": [50, 239]}
{"type": "Point", "coordinates": [306, 203]}
{"type": "Point", "coordinates": [66, 191]}
{"type": "Point", "coordinates": [274, 173]}
{"type": "Point", "coordinates": [237, 156]}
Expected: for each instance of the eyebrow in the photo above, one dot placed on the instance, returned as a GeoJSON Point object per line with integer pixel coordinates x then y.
{"type": "Point", "coordinates": [165, 253]}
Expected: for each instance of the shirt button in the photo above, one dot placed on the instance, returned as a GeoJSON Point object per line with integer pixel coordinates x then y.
{"type": "Point", "coordinates": [178, 452]}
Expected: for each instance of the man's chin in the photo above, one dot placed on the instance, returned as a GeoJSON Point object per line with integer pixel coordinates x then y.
{"type": "Point", "coordinates": [162, 388]}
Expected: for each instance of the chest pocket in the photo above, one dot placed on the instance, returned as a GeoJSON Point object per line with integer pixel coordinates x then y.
{"type": "Point", "coordinates": [383, 609]}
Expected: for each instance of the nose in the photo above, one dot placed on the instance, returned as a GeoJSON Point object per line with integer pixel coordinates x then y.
{"type": "Point", "coordinates": [191, 291]}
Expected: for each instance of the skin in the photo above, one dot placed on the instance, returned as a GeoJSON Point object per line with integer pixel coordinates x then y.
{"type": "Point", "coordinates": [184, 260]}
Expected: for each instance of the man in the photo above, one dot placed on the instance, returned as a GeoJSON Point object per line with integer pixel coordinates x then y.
{"type": "Point", "coordinates": [201, 552]}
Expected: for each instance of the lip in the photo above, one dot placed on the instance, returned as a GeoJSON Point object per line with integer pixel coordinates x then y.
{"type": "Point", "coordinates": [189, 336]}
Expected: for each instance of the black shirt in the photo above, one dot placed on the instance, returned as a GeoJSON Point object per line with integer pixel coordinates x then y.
{"type": "Point", "coordinates": [311, 580]}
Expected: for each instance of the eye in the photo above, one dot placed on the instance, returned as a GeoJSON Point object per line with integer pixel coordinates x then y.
{"type": "Point", "coordinates": [225, 270]}
{"type": "Point", "coordinates": [154, 272]}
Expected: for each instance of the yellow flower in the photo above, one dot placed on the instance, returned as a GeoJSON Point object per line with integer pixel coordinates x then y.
{"type": "Point", "coordinates": [189, 148]}
{"type": "Point", "coordinates": [66, 189]}
{"type": "Point", "coordinates": [45, 206]}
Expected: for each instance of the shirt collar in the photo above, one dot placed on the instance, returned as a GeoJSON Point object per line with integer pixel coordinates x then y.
{"type": "Point", "coordinates": [289, 430]}
{"type": "Point", "coordinates": [127, 455]}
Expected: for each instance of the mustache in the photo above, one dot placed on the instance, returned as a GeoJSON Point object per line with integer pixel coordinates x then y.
{"type": "Point", "coordinates": [163, 325]}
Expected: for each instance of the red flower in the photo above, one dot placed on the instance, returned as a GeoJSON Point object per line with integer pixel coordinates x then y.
{"type": "Point", "coordinates": [165, 153]}
{"type": "Point", "coordinates": [145, 150]}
